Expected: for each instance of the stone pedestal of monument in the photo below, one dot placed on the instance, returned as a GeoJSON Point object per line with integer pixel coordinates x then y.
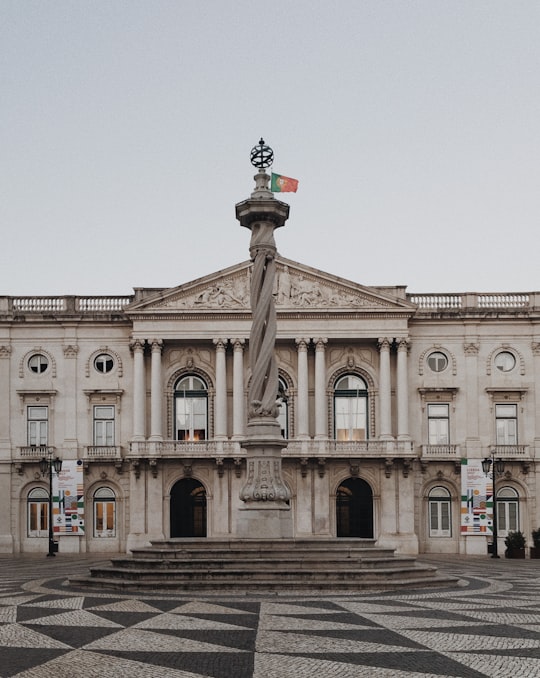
{"type": "Point", "coordinates": [266, 513]}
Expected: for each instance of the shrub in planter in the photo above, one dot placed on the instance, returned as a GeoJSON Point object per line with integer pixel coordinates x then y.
{"type": "Point", "coordinates": [515, 544]}
{"type": "Point", "coordinates": [535, 548]}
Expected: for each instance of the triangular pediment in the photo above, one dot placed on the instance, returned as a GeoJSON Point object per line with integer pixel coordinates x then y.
{"type": "Point", "coordinates": [297, 287]}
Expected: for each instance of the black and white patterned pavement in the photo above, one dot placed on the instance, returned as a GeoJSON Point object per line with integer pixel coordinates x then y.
{"type": "Point", "coordinates": [488, 626]}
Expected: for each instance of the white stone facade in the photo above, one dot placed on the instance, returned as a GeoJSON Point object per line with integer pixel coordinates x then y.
{"type": "Point", "coordinates": [116, 382]}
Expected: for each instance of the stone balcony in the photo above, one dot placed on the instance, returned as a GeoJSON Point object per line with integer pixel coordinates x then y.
{"type": "Point", "coordinates": [366, 449]}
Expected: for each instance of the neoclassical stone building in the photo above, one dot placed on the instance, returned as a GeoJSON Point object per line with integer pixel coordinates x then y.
{"type": "Point", "coordinates": [389, 402]}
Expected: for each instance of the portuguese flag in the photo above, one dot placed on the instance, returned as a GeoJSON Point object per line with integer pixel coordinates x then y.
{"type": "Point", "coordinates": [281, 184]}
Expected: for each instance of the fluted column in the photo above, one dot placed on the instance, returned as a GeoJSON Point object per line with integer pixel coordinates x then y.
{"type": "Point", "coordinates": [302, 422]}
{"type": "Point", "coordinates": [385, 390]}
{"type": "Point", "coordinates": [238, 389]}
{"type": "Point", "coordinates": [221, 390]}
{"type": "Point", "coordinates": [402, 390]}
{"type": "Point", "coordinates": [137, 346]}
{"type": "Point", "coordinates": [321, 418]}
{"type": "Point", "coordinates": [156, 432]}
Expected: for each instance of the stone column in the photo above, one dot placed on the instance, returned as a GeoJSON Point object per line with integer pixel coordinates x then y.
{"type": "Point", "coordinates": [302, 422]}
{"type": "Point", "coordinates": [471, 349]}
{"type": "Point", "coordinates": [69, 401]}
{"type": "Point", "coordinates": [238, 389]}
{"type": "Point", "coordinates": [139, 395]}
{"type": "Point", "coordinates": [402, 390]}
{"type": "Point", "coordinates": [221, 390]}
{"type": "Point", "coordinates": [321, 417]}
{"type": "Point", "coordinates": [156, 432]}
{"type": "Point", "coordinates": [385, 390]}
{"type": "Point", "coordinates": [6, 537]}
{"type": "Point", "coordinates": [265, 512]}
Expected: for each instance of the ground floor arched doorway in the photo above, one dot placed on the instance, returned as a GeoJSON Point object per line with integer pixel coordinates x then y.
{"type": "Point", "coordinates": [188, 509]}
{"type": "Point", "coordinates": [354, 509]}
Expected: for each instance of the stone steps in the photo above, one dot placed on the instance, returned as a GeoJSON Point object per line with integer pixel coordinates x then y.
{"type": "Point", "coordinates": [262, 565]}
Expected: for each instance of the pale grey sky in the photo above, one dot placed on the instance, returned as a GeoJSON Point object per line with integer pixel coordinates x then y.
{"type": "Point", "coordinates": [413, 128]}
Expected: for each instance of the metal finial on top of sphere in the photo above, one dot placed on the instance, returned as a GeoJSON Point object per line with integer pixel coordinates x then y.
{"type": "Point", "coordinates": [262, 155]}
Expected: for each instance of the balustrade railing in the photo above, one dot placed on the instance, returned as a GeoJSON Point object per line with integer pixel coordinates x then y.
{"type": "Point", "coordinates": [35, 451]}
{"type": "Point", "coordinates": [103, 452]}
{"type": "Point", "coordinates": [469, 300]}
{"type": "Point", "coordinates": [511, 451]}
{"type": "Point", "coordinates": [440, 451]}
{"type": "Point", "coordinates": [64, 304]}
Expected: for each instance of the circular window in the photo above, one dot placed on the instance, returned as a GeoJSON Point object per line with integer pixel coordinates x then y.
{"type": "Point", "coordinates": [103, 363]}
{"type": "Point", "coordinates": [437, 361]}
{"type": "Point", "coordinates": [38, 363]}
{"type": "Point", "coordinates": [505, 361]}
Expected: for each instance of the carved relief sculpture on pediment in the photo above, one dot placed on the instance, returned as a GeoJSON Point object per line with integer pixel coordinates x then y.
{"type": "Point", "coordinates": [291, 289]}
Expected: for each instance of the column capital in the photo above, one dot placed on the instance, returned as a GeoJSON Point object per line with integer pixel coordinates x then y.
{"type": "Point", "coordinates": [156, 345]}
{"type": "Point", "coordinates": [403, 343]}
{"type": "Point", "coordinates": [384, 343]}
{"type": "Point", "coordinates": [302, 343]}
{"type": "Point", "coordinates": [220, 343]}
{"type": "Point", "coordinates": [320, 342]}
{"type": "Point", "coordinates": [238, 344]}
{"type": "Point", "coordinates": [137, 345]}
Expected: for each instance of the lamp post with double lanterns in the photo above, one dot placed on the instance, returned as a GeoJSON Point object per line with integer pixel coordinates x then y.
{"type": "Point", "coordinates": [497, 468]}
{"type": "Point", "coordinates": [46, 465]}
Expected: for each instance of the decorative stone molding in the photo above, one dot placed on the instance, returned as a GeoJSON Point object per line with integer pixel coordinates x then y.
{"type": "Point", "coordinates": [407, 465]}
{"type": "Point", "coordinates": [321, 465]}
{"type": "Point", "coordinates": [304, 466]}
{"type": "Point", "coordinates": [105, 349]}
{"type": "Point", "coordinates": [136, 467]}
{"type": "Point", "coordinates": [535, 347]}
{"type": "Point", "coordinates": [440, 349]}
{"type": "Point", "coordinates": [471, 348]}
{"type": "Point", "coordinates": [439, 394]}
{"type": "Point", "coordinates": [237, 461]}
{"type": "Point", "coordinates": [5, 351]}
{"type": "Point", "coordinates": [388, 464]}
{"type": "Point", "coordinates": [505, 347]}
{"type": "Point", "coordinates": [29, 354]}
{"type": "Point", "coordinates": [220, 466]}
{"type": "Point", "coordinates": [153, 465]}
{"type": "Point", "coordinates": [70, 351]}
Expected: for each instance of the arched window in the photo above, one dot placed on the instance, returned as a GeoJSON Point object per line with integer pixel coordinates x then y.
{"type": "Point", "coordinates": [440, 512]}
{"type": "Point", "coordinates": [507, 511]}
{"type": "Point", "coordinates": [191, 409]}
{"type": "Point", "coordinates": [350, 408]}
{"type": "Point", "coordinates": [38, 512]}
{"type": "Point", "coordinates": [104, 512]}
{"type": "Point", "coordinates": [283, 417]}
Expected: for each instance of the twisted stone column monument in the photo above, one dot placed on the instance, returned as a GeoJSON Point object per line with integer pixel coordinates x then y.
{"type": "Point", "coordinates": [266, 512]}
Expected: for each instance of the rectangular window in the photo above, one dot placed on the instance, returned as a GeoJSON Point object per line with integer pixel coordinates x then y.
{"type": "Point", "coordinates": [38, 518]}
{"type": "Point", "coordinates": [104, 518]}
{"type": "Point", "coordinates": [104, 425]}
{"type": "Point", "coordinates": [438, 425]}
{"type": "Point", "coordinates": [351, 419]}
{"type": "Point", "coordinates": [439, 519]}
{"type": "Point", "coordinates": [38, 424]}
{"type": "Point", "coordinates": [507, 517]}
{"type": "Point", "coordinates": [191, 417]}
{"type": "Point", "coordinates": [506, 424]}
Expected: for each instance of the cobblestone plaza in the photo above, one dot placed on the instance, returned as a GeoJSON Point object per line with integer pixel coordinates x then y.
{"type": "Point", "coordinates": [489, 625]}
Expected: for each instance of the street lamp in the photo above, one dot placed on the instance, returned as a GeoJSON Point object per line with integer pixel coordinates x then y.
{"type": "Point", "coordinates": [47, 465]}
{"type": "Point", "coordinates": [498, 469]}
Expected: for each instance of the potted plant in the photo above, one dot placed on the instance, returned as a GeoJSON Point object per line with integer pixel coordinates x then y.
{"type": "Point", "coordinates": [535, 549]}
{"type": "Point", "coordinates": [515, 545]}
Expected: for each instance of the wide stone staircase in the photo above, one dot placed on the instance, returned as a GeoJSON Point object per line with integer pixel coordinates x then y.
{"type": "Point", "coordinates": [258, 565]}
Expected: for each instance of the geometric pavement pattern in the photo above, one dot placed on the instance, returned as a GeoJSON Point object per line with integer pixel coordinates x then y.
{"type": "Point", "coordinates": [488, 626]}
